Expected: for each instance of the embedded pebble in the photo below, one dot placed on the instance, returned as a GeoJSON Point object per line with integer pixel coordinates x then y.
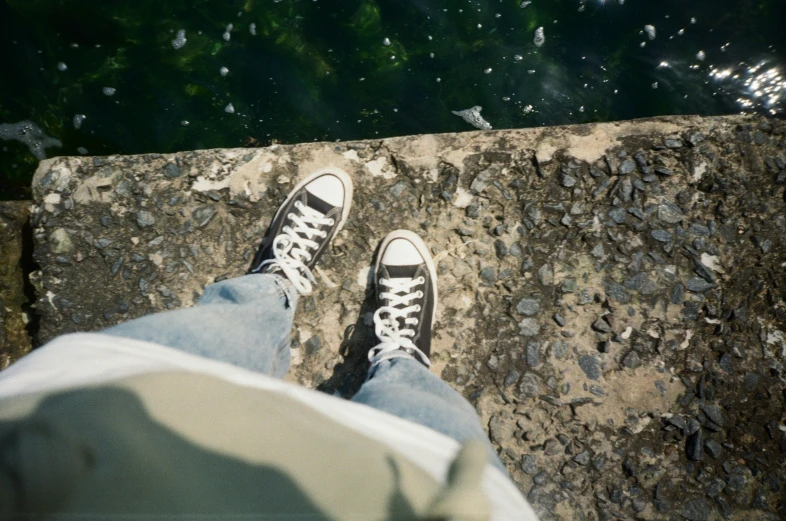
{"type": "Point", "coordinates": [530, 385]}
{"type": "Point", "coordinates": [591, 366]}
{"type": "Point", "coordinates": [529, 464]}
{"type": "Point", "coordinates": [626, 167]}
{"type": "Point", "coordinates": [533, 354]}
{"type": "Point", "coordinates": [669, 213]}
{"type": "Point", "coordinates": [697, 509]}
{"type": "Point", "coordinates": [145, 219]}
{"type": "Point", "coordinates": [698, 285]}
{"type": "Point", "coordinates": [661, 235]}
{"type": "Point", "coordinates": [528, 307]}
{"type": "Point", "coordinates": [529, 327]}
{"type": "Point", "coordinates": [546, 275]}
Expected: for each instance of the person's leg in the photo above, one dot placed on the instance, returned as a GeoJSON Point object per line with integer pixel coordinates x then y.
{"type": "Point", "coordinates": [406, 388]}
{"type": "Point", "coordinates": [245, 321]}
{"type": "Point", "coordinates": [399, 380]}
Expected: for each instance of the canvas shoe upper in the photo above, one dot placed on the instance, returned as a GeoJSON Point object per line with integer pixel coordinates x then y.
{"type": "Point", "coordinates": [406, 286]}
{"type": "Point", "coordinates": [313, 213]}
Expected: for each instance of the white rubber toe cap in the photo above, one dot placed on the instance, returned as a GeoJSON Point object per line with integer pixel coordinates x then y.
{"type": "Point", "coordinates": [329, 188]}
{"type": "Point", "coordinates": [401, 252]}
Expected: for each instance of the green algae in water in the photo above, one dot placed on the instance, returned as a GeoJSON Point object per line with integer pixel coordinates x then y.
{"type": "Point", "coordinates": [301, 70]}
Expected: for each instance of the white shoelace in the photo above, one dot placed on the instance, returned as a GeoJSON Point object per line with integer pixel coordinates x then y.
{"type": "Point", "coordinates": [291, 247]}
{"type": "Point", "coordinates": [392, 338]}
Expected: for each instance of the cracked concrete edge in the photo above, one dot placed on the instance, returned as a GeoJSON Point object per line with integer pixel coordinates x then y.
{"type": "Point", "coordinates": [15, 341]}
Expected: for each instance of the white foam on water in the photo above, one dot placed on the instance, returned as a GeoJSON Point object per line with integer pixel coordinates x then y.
{"type": "Point", "coordinates": [82, 150]}
{"type": "Point", "coordinates": [473, 117]}
{"type": "Point", "coordinates": [229, 109]}
{"type": "Point", "coordinates": [386, 42]}
{"type": "Point", "coordinates": [540, 37]}
{"type": "Point", "coordinates": [180, 39]}
{"type": "Point", "coordinates": [29, 134]}
{"type": "Point", "coordinates": [228, 32]}
{"type": "Point", "coordinates": [109, 91]}
{"type": "Point", "coordinates": [252, 29]}
{"type": "Point", "coordinates": [62, 67]}
{"type": "Point", "coordinates": [223, 71]}
{"type": "Point", "coordinates": [650, 30]}
{"type": "Point", "coordinates": [518, 58]}
{"type": "Point", "coordinates": [487, 71]}
{"type": "Point", "coordinates": [78, 120]}
{"type": "Point", "coordinates": [701, 55]}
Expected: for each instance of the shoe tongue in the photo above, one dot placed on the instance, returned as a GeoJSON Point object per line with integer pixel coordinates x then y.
{"type": "Point", "coordinates": [400, 273]}
{"type": "Point", "coordinates": [315, 203]}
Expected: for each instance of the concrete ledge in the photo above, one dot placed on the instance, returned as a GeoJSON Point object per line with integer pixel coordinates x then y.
{"type": "Point", "coordinates": [607, 291]}
{"type": "Point", "coordinates": [15, 340]}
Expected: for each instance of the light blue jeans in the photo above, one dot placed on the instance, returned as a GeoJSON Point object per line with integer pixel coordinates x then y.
{"type": "Point", "coordinates": [247, 321]}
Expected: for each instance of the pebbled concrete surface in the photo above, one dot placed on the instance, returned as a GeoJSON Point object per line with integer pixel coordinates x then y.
{"type": "Point", "coordinates": [611, 295]}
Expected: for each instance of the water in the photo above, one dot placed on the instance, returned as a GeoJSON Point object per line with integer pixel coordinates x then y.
{"type": "Point", "coordinates": [162, 76]}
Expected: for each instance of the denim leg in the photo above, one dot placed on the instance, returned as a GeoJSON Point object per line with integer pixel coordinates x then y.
{"type": "Point", "coordinates": [406, 388]}
{"type": "Point", "coordinates": [245, 321]}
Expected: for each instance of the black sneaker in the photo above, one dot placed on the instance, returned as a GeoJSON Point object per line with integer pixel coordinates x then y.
{"type": "Point", "coordinates": [314, 212]}
{"type": "Point", "coordinates": [406, 286]}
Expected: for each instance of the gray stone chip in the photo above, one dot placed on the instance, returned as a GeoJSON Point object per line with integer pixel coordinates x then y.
{"type": "Point", "coordinates": [145, 219]}
{"type": "Point", "coordinates": [591, 366]}
{"type": "Point", "coordinates": [698, 285]}
{"type": "Point", "coordinates": [670, 213]}
{"type": "Point", "coordinates": [697, 509]}
{"type": "Point", "coordinates": [529, 327]}
{"type": "Point", "coordinates": [528, 307]}
{"type": "Point", "coordinates": [661, 235]}
{"type": "Point", "coordinates": [627, 167]}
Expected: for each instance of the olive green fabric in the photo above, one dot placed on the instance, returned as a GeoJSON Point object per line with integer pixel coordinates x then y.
{"type": "Point", "coordinates": [181, 443]}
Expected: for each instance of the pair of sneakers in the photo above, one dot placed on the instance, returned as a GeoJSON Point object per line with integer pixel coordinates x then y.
{"type": "Point", "coordinates": [405, 279]}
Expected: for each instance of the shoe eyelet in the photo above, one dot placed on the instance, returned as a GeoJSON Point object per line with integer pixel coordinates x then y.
{"type": "Point", "coordinates": [416, 322]}
{"type": "Point", "coordinates": [331, 222]}
{"type": "Point", "coordinates": [421, 280]}
{"type": "Point", "coordinates": [419, 294]}
{"type": "Point", "coordinates": [417, 308]}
